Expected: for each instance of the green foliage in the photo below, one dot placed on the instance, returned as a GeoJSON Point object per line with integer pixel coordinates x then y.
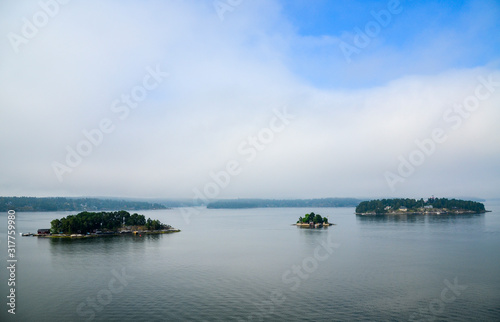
{"type": "Point", "coordinates": [154, 225]}
{"type": "Point", "coordinates": [134, 220]}
{"type": "Point", "coordinates": [386, 205]}
{"type": "Point", "coordinates": [318, 219]}
{"type": "Point", "coordinates": [312, 217]}
{"type": "Point", "coordinates": [88, 222]}
{"type": "Point", "coordinates": [71, 204]}
{"type": "Point", "coordinates": [56, 226]}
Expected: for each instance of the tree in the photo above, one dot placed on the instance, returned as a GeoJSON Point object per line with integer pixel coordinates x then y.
{"type": "Point", "coordinates": [55, 226]}
{"type": "Point", "coordinates": [85, 222]}
{"type": "Point", "coordinates": [318, 219]}
{"type": "Point", "coordinates": [312, 217]}
{"type": "Point", "coordinates": [378, 206]}
{"type": "Point", "coordinates": [149, 224]}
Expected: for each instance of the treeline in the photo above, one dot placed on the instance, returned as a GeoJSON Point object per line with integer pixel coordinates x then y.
{"type": "Point", "coordinates": [271, 203]}
{"type": "Point", "coordinates": [72, 204]}
{"type": "Point", "coordinates": [314, 218]}
{"type": "Point", "coordinates": [387, 205]}
{"type": "Point", "coordinates": [457, 204]}
{"type": "Point", "coordinates": [89, 222]}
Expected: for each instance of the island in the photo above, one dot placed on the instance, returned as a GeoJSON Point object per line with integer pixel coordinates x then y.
{"type": "Point", "coordinates": [100, 224]}
{"type": "Point", "coordinates": [312, 220]}
{"type": "Point", "coordinates": [431, 206]}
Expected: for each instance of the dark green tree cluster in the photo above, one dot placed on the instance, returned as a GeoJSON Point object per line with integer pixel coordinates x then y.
{"type": "Point", "coordinates": [88, 222]}
{"type": "Point", "coordinates": [379, 206]}
{"type": "Point", "coordinates": [312, 217]}
{"type": "Point", "coordinates": [155, 225]}
{"type": "Point", "coordinates": [71, 204]}
{"type": "Point", "coordinates": [456, 204]}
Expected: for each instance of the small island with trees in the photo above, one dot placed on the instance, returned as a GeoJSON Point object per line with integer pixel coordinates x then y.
{"type": "Point", "coordinates": [431, 206]}
{"type": "Point", "coordinates": [312, 220]}
{"type": "Point", "coordinates": [99, 224]}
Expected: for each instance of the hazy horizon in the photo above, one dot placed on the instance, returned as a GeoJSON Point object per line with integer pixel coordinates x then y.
{"type": "Point", "coordinates": [250, 99]}
{"type": "Point", "coordinates": [200, 201]}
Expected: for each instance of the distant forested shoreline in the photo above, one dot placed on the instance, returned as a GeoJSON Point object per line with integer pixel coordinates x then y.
{"type": "Point", "coordinates": [287, 203]}
{"type": "Point", "coordinates": [72, 204]}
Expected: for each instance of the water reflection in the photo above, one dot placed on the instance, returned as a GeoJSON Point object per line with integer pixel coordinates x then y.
{"type": "Point", "coordinates": [311, 238]}
{"type": "Point", "coordinates": [428, 219]}
{"type": "Point", "coordinates": [453, 219]}
{"type": "Point", "coordinates": [391, 218]}
{"type": "Point", "coordinates": [314, 234]}
{"type": "Point", "coordinates": [69, 254]}
{"type": "Point", "coordinates": [103, 240]}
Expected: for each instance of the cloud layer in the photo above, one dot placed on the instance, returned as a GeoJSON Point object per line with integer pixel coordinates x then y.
{"type": "Point", "coordinates": [228, 83]}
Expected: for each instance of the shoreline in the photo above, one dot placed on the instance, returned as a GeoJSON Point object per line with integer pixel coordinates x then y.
{"type": "Point", "coordinates": [113, 234]}
{"type": "Point", "coordinates": [303, 225]}
{"type": "Point", "coordinates": [419, 213]}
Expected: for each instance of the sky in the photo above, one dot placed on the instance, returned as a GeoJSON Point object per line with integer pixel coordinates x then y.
{"type": "Point", "coordinates": [250, 99]}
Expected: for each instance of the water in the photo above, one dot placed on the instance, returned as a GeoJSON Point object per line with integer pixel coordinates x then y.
{"type": "Point", "coordinates": [251, 265]}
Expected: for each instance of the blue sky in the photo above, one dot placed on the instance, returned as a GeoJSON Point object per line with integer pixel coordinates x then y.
{"type": "Point", "coordinates": [450, 34]}
{"type": "Point", "coordinates": [223, 79]}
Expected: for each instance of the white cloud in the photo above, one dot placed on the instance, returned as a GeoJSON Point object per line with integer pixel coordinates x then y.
{"type": "Point", "coordinates": [225, 80]}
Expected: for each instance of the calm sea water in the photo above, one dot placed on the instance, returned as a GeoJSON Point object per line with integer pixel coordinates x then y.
{"type": "Point", "coordinates": [252, 265]}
